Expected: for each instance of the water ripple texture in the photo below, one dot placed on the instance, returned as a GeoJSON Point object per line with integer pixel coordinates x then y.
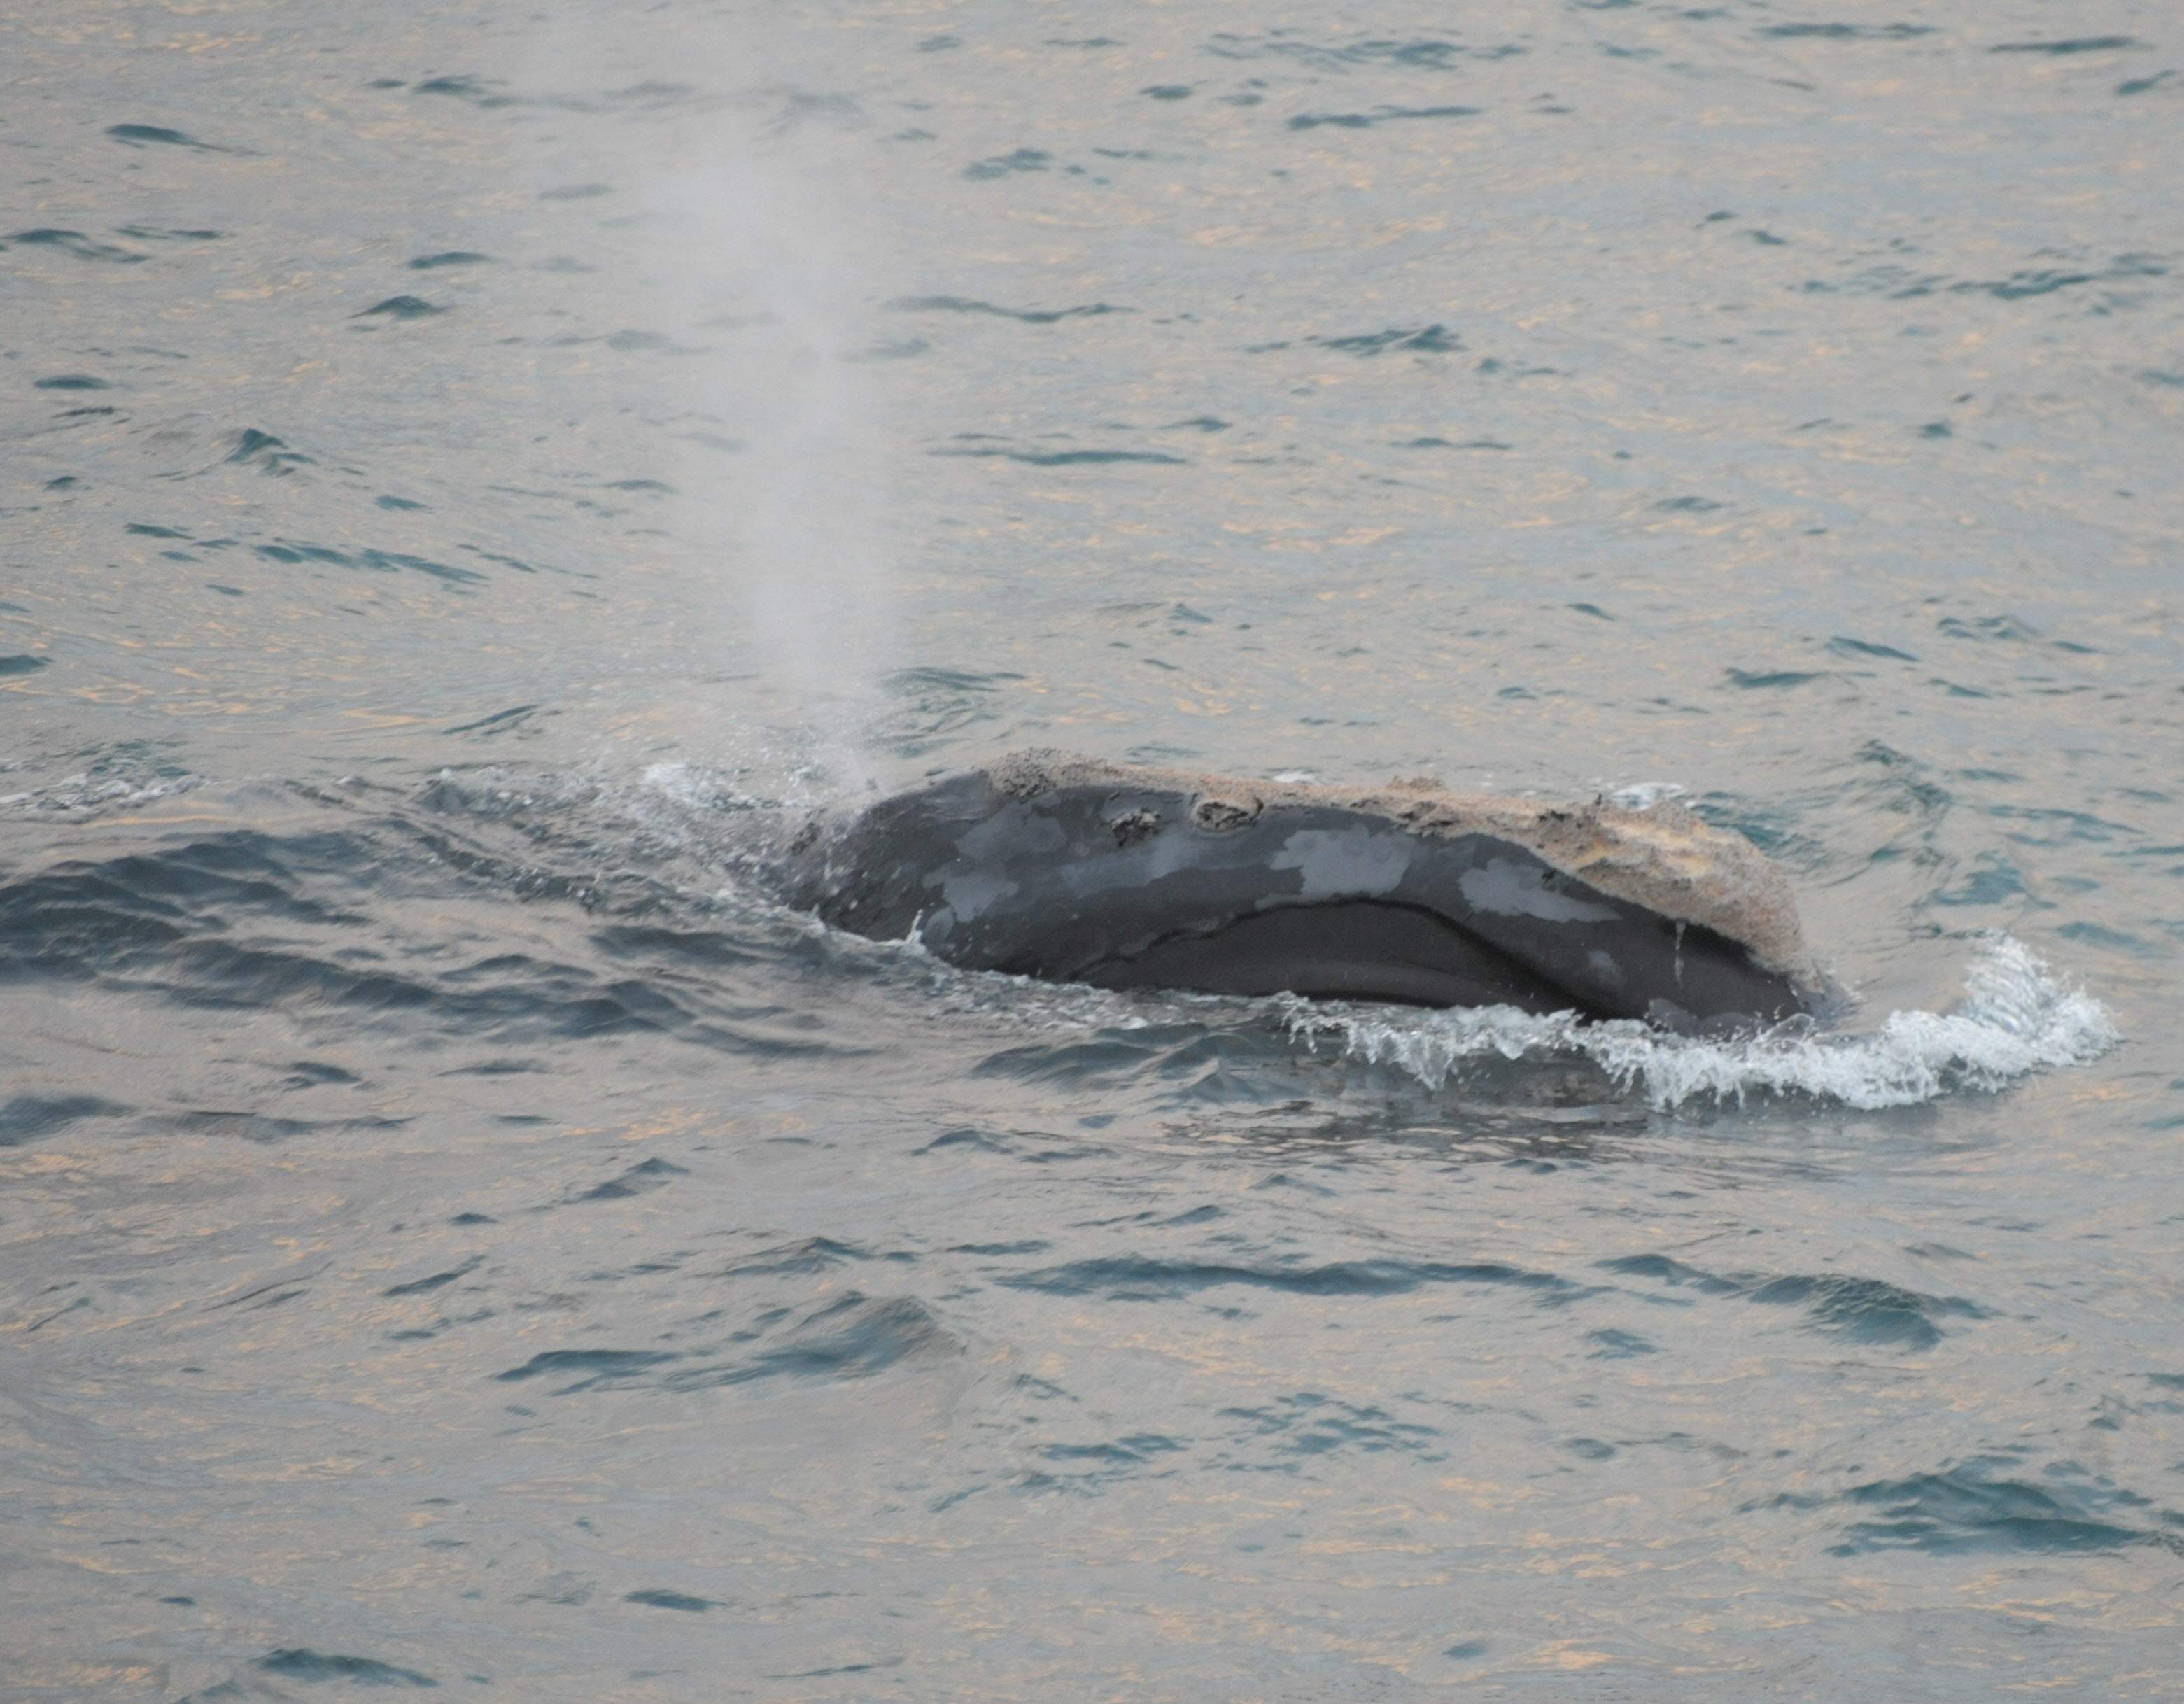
{"type": "Point", "coordinates": [474, 478]}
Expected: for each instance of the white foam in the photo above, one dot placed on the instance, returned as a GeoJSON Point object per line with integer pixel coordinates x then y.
{"type": "Point", "coordinates": [82, 793]}
{"type": "Point", "coordinates": [2015, 1019]}
{"type": "Point", "coordinates": [1644, 795]}
{"type": "Point", "coordinates": [693, 787]}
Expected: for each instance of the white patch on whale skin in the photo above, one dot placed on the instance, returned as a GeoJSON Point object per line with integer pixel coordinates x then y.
{"type": "Point", "coordinates": [1012, 833]}
{"type": "Point", "coordinates": [975, 882]}
{"type": "Point", "coordinates": [1137, 866]}
{"type": "Point", "coordinates": [1509, 889]}
{"type": "Point", "coordinates": [970, 892]}
{"type": "Point", "coordinates": [1341, 863]}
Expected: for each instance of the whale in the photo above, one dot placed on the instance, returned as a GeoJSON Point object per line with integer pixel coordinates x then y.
{"type": "Point", "coordinates": [1074, 868]}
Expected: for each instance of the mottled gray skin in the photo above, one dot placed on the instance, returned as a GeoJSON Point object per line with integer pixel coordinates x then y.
{"type": "Point", "coordinates": [1123, 886]}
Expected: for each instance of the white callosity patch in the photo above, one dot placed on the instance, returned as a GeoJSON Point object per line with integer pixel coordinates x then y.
{"type": "Point", "coordinates": [2015, 1019]}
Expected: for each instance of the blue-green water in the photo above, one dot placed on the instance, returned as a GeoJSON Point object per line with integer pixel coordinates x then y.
{"type": "Point", "coordinates": [467, 473]}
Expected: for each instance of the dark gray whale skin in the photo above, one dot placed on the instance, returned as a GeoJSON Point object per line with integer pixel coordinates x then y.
{"type": "Point", "coordinates": [1124, 887]}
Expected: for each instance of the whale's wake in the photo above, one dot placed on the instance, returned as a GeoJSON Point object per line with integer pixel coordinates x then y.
{"type": "Point", "coordinates": [2015, 1019]}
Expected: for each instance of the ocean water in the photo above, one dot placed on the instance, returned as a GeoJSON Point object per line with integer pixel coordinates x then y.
{"type": "Point", "coordinates": [473, 473]}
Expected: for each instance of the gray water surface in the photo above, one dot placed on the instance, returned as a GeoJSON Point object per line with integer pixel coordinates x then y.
{"type": "Point", "coordinates": [470, 477]}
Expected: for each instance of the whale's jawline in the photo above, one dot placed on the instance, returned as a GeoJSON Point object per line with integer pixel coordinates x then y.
{"type": "Point", "coordinates": [1358, 949]}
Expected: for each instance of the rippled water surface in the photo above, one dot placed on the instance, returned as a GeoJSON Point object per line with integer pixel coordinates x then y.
{"type": "Point", "coordinates": [470, 477]}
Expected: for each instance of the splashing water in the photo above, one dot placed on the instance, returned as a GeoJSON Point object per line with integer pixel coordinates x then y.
{"type": "Point", "coordinates": [2015, 1019]}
